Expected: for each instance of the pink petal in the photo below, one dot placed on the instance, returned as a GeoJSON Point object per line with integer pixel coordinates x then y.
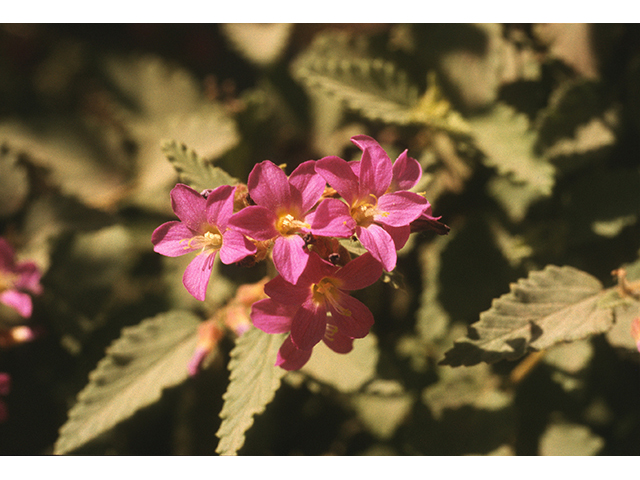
{"type": "Point", "coordinates": [291, 357]}
{"type": "Point", "coordinates": [377, 241]}
{"type": "Point", "coordinates": [255, 222]}
{"type": "Point", "coordinates": [272, 317]}
{"type": "Point", "coordinates": [189, 206]}
{"type": "Point", "coordinates": [316, 270]}
{"type": "Point", "coordinates": [19, 301]}
{"type": "Point", "coordinates": [400, 235]}
{"type": "Point", "coordinates": [29, 277]}
{"type": "Point", "coordinates": [284, 292]}
{"type": "Point", "coordinates": [290, 257]}
{"type": "Point", "coordinates": [338, 174]}
{"type": "Point", "coordinates": [332, 219]}
{"type": "Point", "coordinates": [197, 274]}
{"type": "Point", "coordinates": [220, 206]}
{"type": "Point", "coordinates": [360, 320]}
{"type": "Point", "coordinates": [359, 273]}
{"type": "Point", "coordinates": [308, 183]}
{"type": "Point", "coordinates": [269, 186]}
{"type": "Point", "coordinates": [171, 239]}
{"type": "Point", "coordinates": [336, 340]}
{"type": "Point", "coordinates": [308, 325]}
{"type": "Point", "coordinates": [401, 208]}
{"type": "Point", "coordinates": [376, 170]}
{"type": "Point", "coordinates": [235, 247]}
{"type": "Point", "coordinates": [407, 172]}
{"type": "Point", "coordinates": [427, 221]}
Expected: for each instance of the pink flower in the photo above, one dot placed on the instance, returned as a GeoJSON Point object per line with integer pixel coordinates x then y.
{"type": "Point", "coordinates": [302, 309]}
{"type": "Point", "coordinates": [203, 227]}
{"type": "Point", "coordinates": [376, 196]}
{"type": "Point", "coordinates": [16, 279]}
{"type": "Point", "coordinates": [283, 211]}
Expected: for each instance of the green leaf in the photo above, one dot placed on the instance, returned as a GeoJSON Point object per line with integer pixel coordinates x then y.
{"type": "Point", "coordinates": [557, 304]}
{"type": "Point", "coordinates": [145, 360]}
{"type": "Point", "coordinates": [260, 43]}
{"type": "Point", "coordinates": [253, 382]}
{"type": "Point", "coordinates": [508, 144]}
{"type": "Point", "coordinates": [373, 86]}
{"type": "Point", "coordinates": [565, 439]}
{"type": "Point", "coordinates": [194, 171]}
{"type": "Point", "coordinates": [349, 372]}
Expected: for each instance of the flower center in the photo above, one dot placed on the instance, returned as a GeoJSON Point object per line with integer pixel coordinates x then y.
{"type": "Point", "coordinates": [287, 224]}
{"type": "Point", "coordinates": [210, 241]}
{"type": "Point", "coordinates": [363, 211]}
{"type": "Point", "coordinates": [326, 290]}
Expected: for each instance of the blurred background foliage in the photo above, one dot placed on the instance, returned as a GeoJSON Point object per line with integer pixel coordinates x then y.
{"type": "Point", "coordinates": [529, 140]}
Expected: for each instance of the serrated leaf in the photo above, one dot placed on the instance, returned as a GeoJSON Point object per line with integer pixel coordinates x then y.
{"type": "Point", "coordinates": [373, 86]}
{"type": "Point", "coordinates": [253, 382]}
{"type": "Point", "coordinates": [145, 360]}
{"type": "Point", "coordinates": [557, 304]}
{"type": "Point", "coordinates": [193, 170]}
{"type": "Point", "coordinates": [508, 144]}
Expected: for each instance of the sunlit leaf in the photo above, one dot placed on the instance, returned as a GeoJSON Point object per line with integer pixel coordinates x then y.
{"type": "Point", "coordinates": [79, 156]}
{"type": "Point", "coordinates": [253, 382]}
{"type": "Point", "coordinates": [260, 43]}
{"type": "Point", "coordinates": [373, 86]}
{"type": "Point", "coordinates": [162, 101]}
{"type": "Point", "coordinates": [471, 386]}
{"type": "Point", "coordinates": [508, 144]}
{"type": "Point", "coordinates": [557, 304]}
{"type": "Point", "coordinates": [193, 170]}
{"type": "Point", "coordinates": [345, 372]}
{"type": "Point", "coordinates": [138, 366]}
{"type": "Point", "coordinates": [383, 407]}
{"type": "Point", "coordinates": [567, 439]}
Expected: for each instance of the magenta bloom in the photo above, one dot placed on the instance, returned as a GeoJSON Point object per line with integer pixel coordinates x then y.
{"type": "Point", "coordinates": [376, 196]}
{"type": "Point", "coordinates": [283, 211]}
{"type": "Point", "coordinates": [16, 279]}
{"type": "Point", "coordinates": [302, 309]}
{"type": "Point", "coordinates": [203, 227]}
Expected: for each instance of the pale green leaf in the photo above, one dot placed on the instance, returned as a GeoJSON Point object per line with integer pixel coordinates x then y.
{"type": "Point", "coordinates": [567, 439]}
{"type": "Point", "coordinates": [383, 407]}
{"type": "Point", "coordinates": [253, 382]}
{"type": "Point", "coordinates": [145, 360]}
{"type": "Point", "coordinates": [557, 304]}
{"type": "Point", "coordinates": [260, 43]}
{"type": "Point", "coordinates": [373, 86]}
{"type": "Point", "coordinates": [193, 170]}
{"type": "Point", "coordinates": [345, 372]}
{"type": "Point", "coordinates": [508, 144]}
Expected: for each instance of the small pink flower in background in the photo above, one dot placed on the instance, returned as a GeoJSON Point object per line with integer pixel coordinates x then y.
{"type": "Point", "coordinates": [17, 281]}
{"type": "Point", "coordinates": [302, 309]}
{"type": "Point", "coordinates": [376, 197]}
{"type": "Point", "coordinates": [283, 211]}
{"type": "Point", "coordinates": [635, 331]}
{"type": "Point", "coordinates": [202, 227]}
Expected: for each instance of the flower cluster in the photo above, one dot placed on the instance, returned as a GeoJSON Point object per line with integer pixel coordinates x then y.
{"type": "Point", "coordinates": [298, 220]}
{"type": "Point", "coordinates": [18, 281]}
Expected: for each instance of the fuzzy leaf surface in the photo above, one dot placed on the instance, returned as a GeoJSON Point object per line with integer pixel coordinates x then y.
{"type": "Point", "coordinates": [253, 382]}
{"type": "Point", "coordinates": [146, 359]}
{"type": "Point", "coordinates": [557, 304]}
{"type": "Point", "coordinates": [193, 170]}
